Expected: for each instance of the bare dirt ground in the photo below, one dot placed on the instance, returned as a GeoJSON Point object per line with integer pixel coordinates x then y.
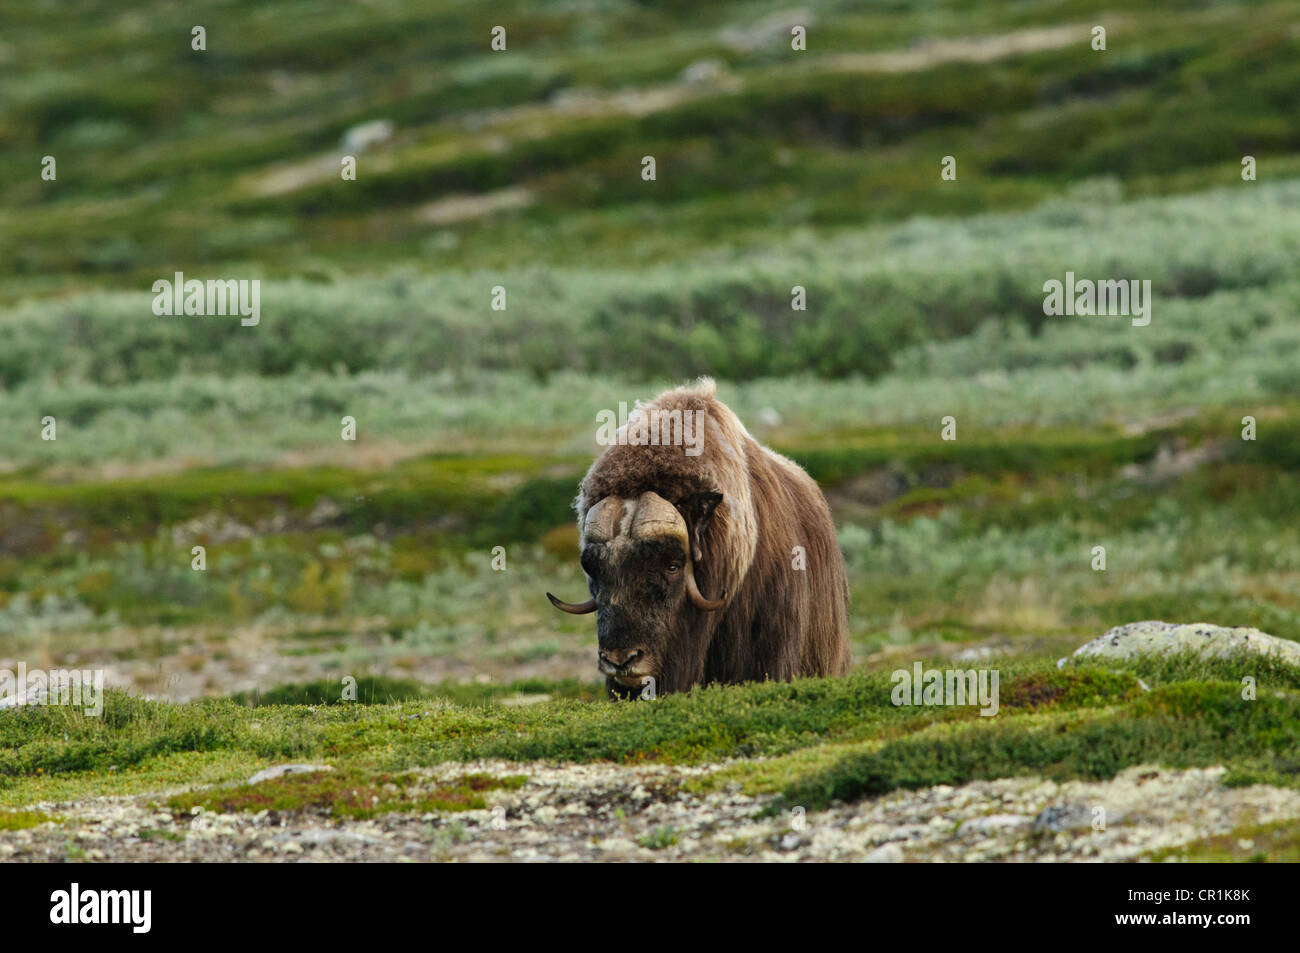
{"type": "Point", "coordinates": [605, 812]}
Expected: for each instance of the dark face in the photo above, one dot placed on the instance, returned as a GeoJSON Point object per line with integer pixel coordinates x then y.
{"type": "Point", "coordinates": [641, 601]}
{"type": "Point", "coordinates": [636, 554]}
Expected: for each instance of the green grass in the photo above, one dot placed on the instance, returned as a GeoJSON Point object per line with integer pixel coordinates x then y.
{"type": "Point", "coordinates": [380, 690]}
{"type": "Point", "coordinates": [727, 313]}
{"type": "Point", "coordinates": [1186, 724]}
{"type": "Point", "coordinates": [659, 838]}
{"type": "Point", "coordinates": [371, 559]}
{"type": "Point", "coordinates": [149, 834]}
{"type": "Point", "coordinates": [989, 537]}
{"type": "Point", "coordinates": [163, 150]}
{"type": "Point", "coordinates": [830, 738]}
{"type": "Point", "coordinates": [352, 794]}
{"type": "Point", "coordinates": [1251, 843]}
{"type": "Point", "coordinates": [22, 820]}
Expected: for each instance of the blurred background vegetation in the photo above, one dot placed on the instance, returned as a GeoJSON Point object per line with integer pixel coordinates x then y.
{"type": "Point", "coordinates": [522, 168]}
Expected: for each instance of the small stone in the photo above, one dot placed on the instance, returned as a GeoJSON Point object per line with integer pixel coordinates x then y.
{"type": "Point", "coordinates": [1063, 817]}
{"type": "Point", "coordinates": [994, 823]}
{"type": "Point", "coordinates": [885, 854]}
{"type": "Point", "coordinates": [367, 134]}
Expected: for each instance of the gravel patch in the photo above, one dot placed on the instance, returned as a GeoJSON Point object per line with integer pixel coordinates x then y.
{"type": "Point", "coordinates": [605, 812]}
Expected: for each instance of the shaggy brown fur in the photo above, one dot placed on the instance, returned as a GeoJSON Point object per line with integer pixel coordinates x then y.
{"type": "Point", "coordinates": [778, 622]}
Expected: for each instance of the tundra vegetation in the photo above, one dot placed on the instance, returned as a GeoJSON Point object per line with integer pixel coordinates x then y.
{"type": "Point", "coordinates": [373, 559]}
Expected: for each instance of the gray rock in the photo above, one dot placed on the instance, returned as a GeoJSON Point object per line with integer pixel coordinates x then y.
{"type": "Point", "coordinates": [1063, 817]}
{"type": "Point", "coordinates": [326, 837]}
{"type": "Point", "coordinates": [1159, 638]}
{"type": "Point", "coordinates": [889, 853]}
{"type": "Point", "coordinates": [364, 135]}
{"type": "Point", "coordinates": [769, 32]}
{"type": "Point", "coordinates": [994, 824]}
{"type": "Point", "coordinates": [703, 71]}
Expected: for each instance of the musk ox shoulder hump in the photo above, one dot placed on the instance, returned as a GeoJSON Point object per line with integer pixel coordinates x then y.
{"type": "Point", "coordinates": [717, 462]}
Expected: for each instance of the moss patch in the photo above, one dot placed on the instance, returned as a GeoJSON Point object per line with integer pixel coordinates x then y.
{"type": "Point", "coordinates": [1278, 843]}
{"type": "Point", "coordinates": [350, 793]}
{"type": "Point", "coordinates": [21, 820]}
{"type": "Point", "coordinates": [1183, 725]}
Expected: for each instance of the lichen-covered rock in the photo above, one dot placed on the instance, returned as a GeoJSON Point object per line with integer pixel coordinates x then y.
{"type": "Point", "coordinates": [1158, 638]}
{"type": "Point", "coordinates": [1063, 817]}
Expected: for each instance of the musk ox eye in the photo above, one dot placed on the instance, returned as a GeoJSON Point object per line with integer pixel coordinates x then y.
{"type": "Point", "coordinates": [673, 568]}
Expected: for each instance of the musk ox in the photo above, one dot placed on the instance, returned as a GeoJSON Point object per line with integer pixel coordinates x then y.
{"type": "Point", "coordinates": [707, 561]}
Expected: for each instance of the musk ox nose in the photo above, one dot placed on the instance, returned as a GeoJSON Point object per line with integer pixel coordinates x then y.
{"type": "Point", "coordinates": [620, 658]}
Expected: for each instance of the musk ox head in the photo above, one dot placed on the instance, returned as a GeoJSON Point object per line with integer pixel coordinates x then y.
{"type": "Point", "coordinates": [669, 531]}
{"type": "Point", "coordinates": [688, 546]}
{"type": "Point", "coordinates": [640, 556]}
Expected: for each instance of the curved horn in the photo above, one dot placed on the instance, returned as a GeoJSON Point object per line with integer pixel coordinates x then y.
{"type": "Point", "coordinates": [697, 597]}
{"type": "Point", "coordinates": [581, 608]}
{"type": "Point", "coordinates": [655, 516]}
{"type": "Point", "coordinates": [602, 522]}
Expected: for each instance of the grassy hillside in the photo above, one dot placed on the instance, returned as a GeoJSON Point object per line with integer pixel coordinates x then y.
{"type": "Point", "coordinates": [776, 168]}
{"type": "Point", "coordinates": [229, 158]}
